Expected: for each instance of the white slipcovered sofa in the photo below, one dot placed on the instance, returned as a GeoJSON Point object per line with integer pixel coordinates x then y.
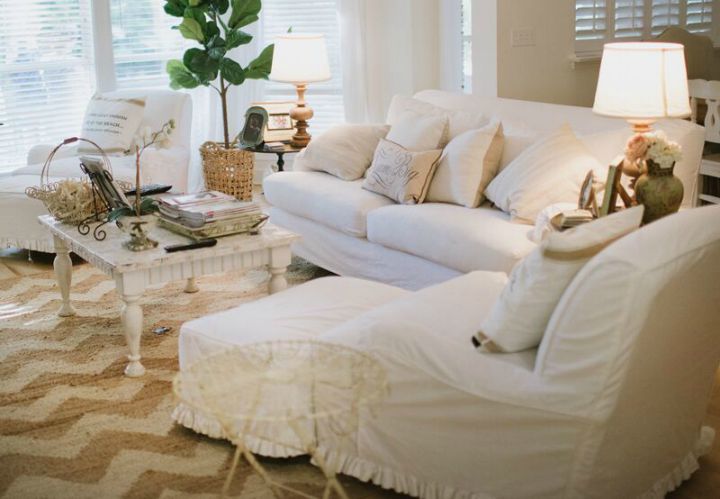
{"type": "Point", "coordinates": [611, 404]}
{"type": "Point", "coordinates": [19, 227]}
{"type": "Point", "coordinates": [357, 233]}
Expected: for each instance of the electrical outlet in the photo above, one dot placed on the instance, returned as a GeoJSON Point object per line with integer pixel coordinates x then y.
{"type": "Point", "coordinates": [524, 37]}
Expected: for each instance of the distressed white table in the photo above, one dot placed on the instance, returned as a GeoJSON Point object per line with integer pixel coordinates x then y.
{"type": "Point", "coordinates": [134, 271]}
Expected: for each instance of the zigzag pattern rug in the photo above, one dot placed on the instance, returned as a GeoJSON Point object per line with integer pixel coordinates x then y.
{"type": "Point", "coordinates": [71, 425]}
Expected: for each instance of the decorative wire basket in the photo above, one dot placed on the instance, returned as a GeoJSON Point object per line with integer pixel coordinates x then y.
{"type": "Point", "coordinates": [228, 170]}
{"type": "Point", "coordinates": [71, 200]}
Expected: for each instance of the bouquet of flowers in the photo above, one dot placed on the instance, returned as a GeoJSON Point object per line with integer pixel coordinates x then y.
{"type": "Point", "coordinates": [653, 146]}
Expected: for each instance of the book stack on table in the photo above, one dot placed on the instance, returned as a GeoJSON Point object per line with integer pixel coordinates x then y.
{"type": "Point", "coordinates": [209, 214]}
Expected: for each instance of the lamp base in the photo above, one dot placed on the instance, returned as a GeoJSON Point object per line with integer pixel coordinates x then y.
{"type": "Point", "coordinates": [301, 114]}
{"type": "Point", "coordinates": [301, 138]}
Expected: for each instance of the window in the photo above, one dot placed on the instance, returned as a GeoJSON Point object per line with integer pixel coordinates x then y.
{"type": "Point", "coordinates": [601, 21]}
{"type": "Point", "coordinates": [466, 13]}
{"type": "Point", "coordinates": [320, 16]}
{"type": "Point", "coordinates": [46, 73]}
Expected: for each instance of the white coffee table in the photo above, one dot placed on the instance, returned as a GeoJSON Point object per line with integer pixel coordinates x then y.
{"type": "Point", "coordinates": [134, 271]}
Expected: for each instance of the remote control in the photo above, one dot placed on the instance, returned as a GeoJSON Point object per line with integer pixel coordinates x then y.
{"type": "Point", "coordinates": [150, 189]}
{"type": "Point", "coordinates": [202, 243]}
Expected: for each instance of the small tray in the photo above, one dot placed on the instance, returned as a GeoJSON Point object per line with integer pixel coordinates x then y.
{"type": "Point", "coordinates": [216, 229]}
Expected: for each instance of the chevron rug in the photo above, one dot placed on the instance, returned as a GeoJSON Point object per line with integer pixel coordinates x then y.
{"type": "Point", "coordinates": [71, 425]}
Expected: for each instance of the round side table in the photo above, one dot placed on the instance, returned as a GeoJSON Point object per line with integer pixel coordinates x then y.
{"type": "Point", "coordinates": [289, 394]}
{"type": "Point", "coordinates": [287, 149]}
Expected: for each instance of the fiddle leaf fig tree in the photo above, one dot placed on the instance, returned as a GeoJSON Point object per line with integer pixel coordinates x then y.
{"type": "Point", "coordinates": [208, 23]}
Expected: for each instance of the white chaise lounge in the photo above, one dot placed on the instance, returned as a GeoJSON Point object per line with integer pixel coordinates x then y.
{"type": "Point", "coordinates": [611, 404]}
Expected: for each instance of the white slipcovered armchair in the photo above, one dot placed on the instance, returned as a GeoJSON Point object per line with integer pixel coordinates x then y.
{"type": "Point", "coordinates": [18, 214]}
{"type": "Point", "coordinates": [611, 404]}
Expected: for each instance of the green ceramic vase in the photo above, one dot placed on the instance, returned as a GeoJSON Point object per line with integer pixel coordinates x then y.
{"type": "Point", "coordinates": [659, 190]}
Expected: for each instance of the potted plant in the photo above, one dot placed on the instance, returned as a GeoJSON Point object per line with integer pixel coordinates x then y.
{"type": "Point", "coordinates": [217, 26]}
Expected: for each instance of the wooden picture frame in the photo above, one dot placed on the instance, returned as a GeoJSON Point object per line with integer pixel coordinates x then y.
{"type": "Point", "coordinates": [280, 126]}
{"type": "Point", "coordinates": [614, 188]}
{"type": "Point", "coordinates": [588, 198]}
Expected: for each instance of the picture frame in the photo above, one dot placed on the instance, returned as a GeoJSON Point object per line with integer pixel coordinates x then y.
{"type": "Point", "coordinates": [280, 126]}
{"type": "Point", "coordinates": [253, 132]}
{"type": "Point", "coordinates": [107, 188]}
{"type": "Point", "coordinates": [588, 199]}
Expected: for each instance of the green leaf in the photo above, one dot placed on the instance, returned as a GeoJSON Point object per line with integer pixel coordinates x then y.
{"type": "Point", "coordinates": [148, 205]}
{"type": "Point", "coordinates": [180, 76]}
{"type": "Point", "coordinates": [196, 13]}
{"type": "Point", "coordinates": [201, 64]}
{"type": "Point", "coordinates": [194, 3]}
{"type": "Point", "coordinates": [244, 12]}
{"type": "Point", "coordinates": [211, 30]}
{"type": "Point", "coordinates": [118, 213]}
{"type": "Point", "coordinates": [191, 29]}
{"type": "Point", "coordinates": [174, 8]}
{"type": "Point", "coordinates": [236, 37]}
{"type": "Point", "coordinates": [220, 5]}
{"type": "Point", "coordinates": [232, 72]}
{"type": "Point", "coordinates": [217, 53]}
{"type": "Point", "coordinates": [260, 67]}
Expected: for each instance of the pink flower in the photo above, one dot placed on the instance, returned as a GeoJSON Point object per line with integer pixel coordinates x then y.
{"type": "Point", "coordinates": [636, 148]}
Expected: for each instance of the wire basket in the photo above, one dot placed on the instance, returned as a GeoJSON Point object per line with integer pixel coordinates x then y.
{"type": "Point", "coordinates": [228, 170]}
{"type": "Point", "coordinates": [71, 200]}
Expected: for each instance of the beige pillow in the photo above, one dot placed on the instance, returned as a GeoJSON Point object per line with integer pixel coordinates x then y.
{"type": "Point", "coordinates": [521, 314]}
{"type": "Point", "coordinates": [468, 164]}
{"type": "Point", "coordinates": [399, 174]}
{"type": "Point", "coordinates": [111, 123]}
{"type": "Point", "coordinates": [419, 133]}
{"type": "Point", "coordinates": [345, 151]}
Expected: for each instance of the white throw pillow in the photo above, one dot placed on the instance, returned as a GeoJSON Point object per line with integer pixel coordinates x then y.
{"type": "Point", "coordinates": [345, 151]}
{"type": "Point", "coordinates": [468, 164]}
{"type": "Point", "coordinates": [521, 314]}
{"type": "Point", "coordinates": [111, 123]}
{"type": "Point", "coordinates": [419, 133]}
{"type": "Point", "coordinates": [550, 171]}
{"type": "Point", "coordinates": [402, 107]}
{"type": "Point", "coordinates": [400, 174]}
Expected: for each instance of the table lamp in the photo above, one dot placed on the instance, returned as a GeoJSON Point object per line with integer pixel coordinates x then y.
{"type": "Point", "coordinates": [300, 59]}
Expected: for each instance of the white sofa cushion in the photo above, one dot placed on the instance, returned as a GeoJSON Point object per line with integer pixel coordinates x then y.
{"type": "Point", "coordinates": [453, 236]}
{"type": "Point", "coordinates": [111, 122]}
{"type": "Point", "coordinates": [519, 317]}
{"type": "Point", "coordinates": [419, 133]}
{"type": "Point", "coordinates": [345, 151]}
{"type": "Point", "coordinates": [468, 164]}
{"type": "Point", "coordinates": [324, 199]}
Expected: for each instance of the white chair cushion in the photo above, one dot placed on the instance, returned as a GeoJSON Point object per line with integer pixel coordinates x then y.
{"type": "Point", "coordinates": [324, 199]}
{"type": "Point", "coordinates": [453, 236]}
{"type": "Point", "coordinates": [111, 122]}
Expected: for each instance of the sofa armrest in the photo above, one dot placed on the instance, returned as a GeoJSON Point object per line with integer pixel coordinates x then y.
{"type": "Point", "coordinates": [166, 166]}
{"type": "Point", "coordinates": [39, 153]}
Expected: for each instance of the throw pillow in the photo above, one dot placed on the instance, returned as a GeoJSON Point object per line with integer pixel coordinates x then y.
{"type": "Point", "coordinates": [344, 151]}
{"type": "Point", "coordinates": [399, 174]}
{"type": "Point", "coordinates": [111, 123]}
{"type": "Point", "coordinates": [419, 133]}
{"type": "Point", "coordinates": [459, 121]}
{"type": "Point", "coordinates": [468, 164]}
{"type": "Point", "coordinates": [550, 171]}
{"type": "Point", "coordinates": [521, 314]}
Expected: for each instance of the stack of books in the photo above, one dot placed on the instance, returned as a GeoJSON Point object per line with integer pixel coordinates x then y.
{"type": "Point", "coordinates": [209, 214]}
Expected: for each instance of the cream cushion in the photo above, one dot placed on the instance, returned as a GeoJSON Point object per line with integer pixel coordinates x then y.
{"type": "Point", "coordinates": [326, 199]}
{"type": "Point", "coordinates": [419, 133]}
{"type": "Point", "coordinates": [450, 235]}
{"type": "Point", "coordinates": [468, 164]}
{"type": "Point", "coordinates": [519, 318]}
{"type": "Point", "coordinates": [344, 150]}
{"type": "Point", "coordinates": [402, 175]}
{"type": "Point", "coordinates": [111, 122]}
{"type": "Point", "coordinates": [550, 171]}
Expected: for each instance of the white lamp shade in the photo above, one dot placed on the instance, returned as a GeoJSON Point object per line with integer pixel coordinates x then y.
{"type": "Point", "coordinates": [300, 58]}
{"type": "Point", "coordinates": [643, 81]}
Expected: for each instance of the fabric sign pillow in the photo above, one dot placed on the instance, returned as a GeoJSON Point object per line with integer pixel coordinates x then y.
{"type": "Point", "coordinates": [468, 164]}
{"type": "Point", "coordinates": [344, 151]}
{"type": "Point", "coordinates": [111, 123]}
{"type": "Point", "coordinates": [419, 133]}
{"type": "Point", "coordinates": [399, 174]}
{"type": "Point", "coordinates": [550, 171]}
{"type": "Point", "coordinates": [521, 314]}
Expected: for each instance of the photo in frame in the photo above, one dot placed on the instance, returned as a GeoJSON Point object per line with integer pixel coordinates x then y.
{"type": "Point", "coordinates": [253, 131]}
{"type": "Point", "coordinates": [280, 126]}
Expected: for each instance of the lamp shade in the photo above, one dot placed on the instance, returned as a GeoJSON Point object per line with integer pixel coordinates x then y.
{"type": "Point", "coordinates": [642, 81]}
{"type": "Point", "coordinates": [300, 58]}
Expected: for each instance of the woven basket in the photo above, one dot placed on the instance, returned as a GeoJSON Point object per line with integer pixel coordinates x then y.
{"type": "Point", "coordinates": [228, 170]}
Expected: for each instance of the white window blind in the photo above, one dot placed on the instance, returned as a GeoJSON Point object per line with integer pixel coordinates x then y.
{"type": "Point", "coordinates": [143, 42]}
{"type": "Point", "coordinates": [46, 73]}
{"type": "Point", "coordinates": [602, 21]}
{"type": "Point", "coordinates": [319, 16]}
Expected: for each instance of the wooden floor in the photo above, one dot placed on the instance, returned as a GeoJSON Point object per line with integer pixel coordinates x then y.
{"type": "Point", "coordinates": [704, 483]}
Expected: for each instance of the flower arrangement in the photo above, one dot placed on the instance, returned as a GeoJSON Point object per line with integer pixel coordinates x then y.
{"type": "Point", "coordinates": [653, 146]}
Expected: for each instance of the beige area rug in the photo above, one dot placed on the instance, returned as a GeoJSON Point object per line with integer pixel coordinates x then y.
{"type": "Point", "coordinates": [71, 425]}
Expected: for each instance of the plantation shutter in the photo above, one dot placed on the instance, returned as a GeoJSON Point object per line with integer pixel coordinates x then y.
{"type": "Point", "coordinates": [629, 18]}
{"type": "Point", "coordinates": [46, 74]}
{"type": "Point", "coordinates": [326, 98]}
{"type": "Point", "coordinates": [699, 16]}
{"type": "Point", "coordinates": [143, 42]}
{"type": "Point", "coordinates": [590, 19]}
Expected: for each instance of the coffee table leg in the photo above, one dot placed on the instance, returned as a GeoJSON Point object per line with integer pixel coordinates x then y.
{"type": "Point", "coordinates": [191, 286]}
{"type": "Point", "coordinates": [63, 273]}
{"type": "Point", "coordinates": [280, 258]}
{"type": "Point", "coordinates": [130, 287]}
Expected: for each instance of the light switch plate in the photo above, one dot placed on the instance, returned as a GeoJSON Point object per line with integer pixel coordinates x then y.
{"type": "Point", "coordinates": [524, 37]}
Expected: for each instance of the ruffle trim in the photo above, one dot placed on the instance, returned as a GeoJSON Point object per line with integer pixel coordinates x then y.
{"type": "Point", "coordinates": [28, 244]}
{"type": "Point", "coordinates": [682, 471]}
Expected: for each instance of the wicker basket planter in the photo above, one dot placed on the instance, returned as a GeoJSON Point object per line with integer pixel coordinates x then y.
{"type": "Point", "coordinates": [228, 170]}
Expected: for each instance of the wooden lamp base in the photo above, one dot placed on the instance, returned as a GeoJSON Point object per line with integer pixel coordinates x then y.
{"type": "Point", "coordinates": [301, 114]}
